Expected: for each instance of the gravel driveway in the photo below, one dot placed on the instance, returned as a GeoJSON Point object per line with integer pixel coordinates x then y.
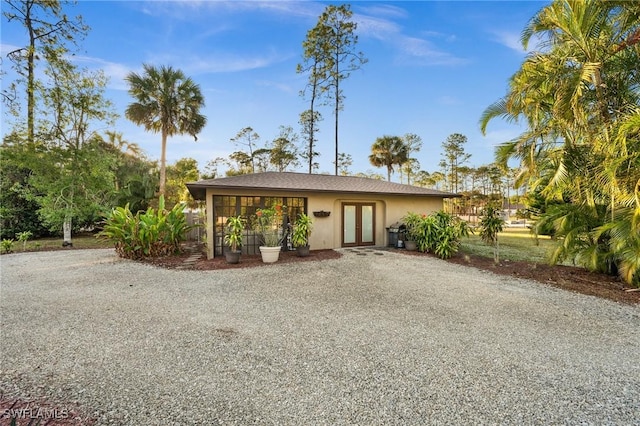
{"type": "Point", "coordinates": [371, 338]}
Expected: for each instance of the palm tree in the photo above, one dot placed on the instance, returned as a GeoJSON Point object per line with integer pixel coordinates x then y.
{"type": "Point", "coordinates": [388, 151]}
{"type": "Point", "coordinates": [116, 140]}
{"type": "Point", "coordinates": [579, 97]}
{"type": "Point", "coordinates": [167, 102]}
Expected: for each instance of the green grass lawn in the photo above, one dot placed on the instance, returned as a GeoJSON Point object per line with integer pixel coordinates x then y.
{"type": "Point", "coordinates": [81, 241]}
{"type": "Point", "coordinates": [514, 244]}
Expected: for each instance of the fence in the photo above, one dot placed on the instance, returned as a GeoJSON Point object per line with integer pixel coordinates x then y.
{"type": "Point", "coordinates": [198, 220]}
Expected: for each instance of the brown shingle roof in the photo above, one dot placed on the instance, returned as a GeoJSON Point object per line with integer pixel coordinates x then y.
{"type": "Point", "coordinates": [289, 181]}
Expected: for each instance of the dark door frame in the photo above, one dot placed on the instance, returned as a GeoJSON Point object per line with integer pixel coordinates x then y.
{"type": "Point", "coordinates": [358, 206]}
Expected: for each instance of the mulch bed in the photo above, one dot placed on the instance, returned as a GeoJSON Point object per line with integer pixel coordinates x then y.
{"type": "Point", "coordinates": [570, 278]}
{"type": "Point", "coordinates": [246, 261]}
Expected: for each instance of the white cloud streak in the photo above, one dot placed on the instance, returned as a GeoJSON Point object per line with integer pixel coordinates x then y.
{"type": "Point", "coordinates": [411, 50]}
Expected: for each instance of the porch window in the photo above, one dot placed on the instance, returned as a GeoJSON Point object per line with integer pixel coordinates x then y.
{"type": "Point", "coordinates": [233, 205]}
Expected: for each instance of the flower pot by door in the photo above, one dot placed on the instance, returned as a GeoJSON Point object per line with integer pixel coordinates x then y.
{"type": "Point", "coordinates": [270, 254]}
{"type": "Point", "coordinates": [302, 251]}
{"type": "Point", "coordinates": [232, 256]}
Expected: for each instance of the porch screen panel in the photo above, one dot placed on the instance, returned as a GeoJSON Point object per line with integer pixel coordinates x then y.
{"type": "Point", "coordinates": [349, 236]}
{"type": "Point", "coordinates": [246, 206]}
{"type": "Point", "coordinates": [223, 208]}
{"type": "Point", "coordinates": [295, 207]}
{"type": "Point", "coordinates": [367, 224]}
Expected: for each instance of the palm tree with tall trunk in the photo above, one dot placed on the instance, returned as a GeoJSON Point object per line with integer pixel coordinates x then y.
{"type": "Point", "coordinates": [167, 102]}
{"type": "Point", "coordinates": [388, 151]}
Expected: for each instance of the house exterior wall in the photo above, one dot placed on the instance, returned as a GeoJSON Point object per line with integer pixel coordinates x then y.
{"type": "Point", "coordinates": [327, 231]}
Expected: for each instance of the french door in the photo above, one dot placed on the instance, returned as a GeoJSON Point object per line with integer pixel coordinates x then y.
{"type": "Point", "coordinates": [358, 224]}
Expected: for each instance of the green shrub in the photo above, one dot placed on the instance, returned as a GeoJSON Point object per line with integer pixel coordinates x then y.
{"type": "Point", "coordinates": [439, 233]}
{"type": "Point", "coordinates": [7, 246]}
{"type": "Point", "coordinates": [148, 234]}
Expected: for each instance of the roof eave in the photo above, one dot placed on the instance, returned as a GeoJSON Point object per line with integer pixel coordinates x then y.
{"type": "Point", "coordinates": [199, 191]}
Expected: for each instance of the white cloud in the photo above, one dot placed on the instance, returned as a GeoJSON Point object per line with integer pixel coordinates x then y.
{"type": "Point", "coordinates": [385, 10]}
{"type": "Point", "coordinates": [6, 48]}
{"type": "Point", "coordinates": [508, 39]}
{"type": "Point", "coordinates": [417, 51]}
{"type": "Point", "coordinates": [184, 9]}
{"type": "Point", "coordinates": [495, 138]}
{"type": "Point", "coordinates": [280, 86]}
{"type": "Point", "coordinates": [378, 28]}
{"type": "Point", "coordinates": [513, 41]}
{"type": "Point", "coordinates": [436, 34]}
{"type": "Point", "coordinates": [411, 50]}
{"type": "Point", "coordinates": [219, 62]}
{"type": "Point", "coordinates": [114, 71]}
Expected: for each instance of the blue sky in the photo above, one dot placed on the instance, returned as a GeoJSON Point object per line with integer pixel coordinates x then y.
{"type": "Point", "coordinates": [433, 68]}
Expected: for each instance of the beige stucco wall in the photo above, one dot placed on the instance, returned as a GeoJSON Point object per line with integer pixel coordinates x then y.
{"type": "Point", "coordinates": [327, 230]}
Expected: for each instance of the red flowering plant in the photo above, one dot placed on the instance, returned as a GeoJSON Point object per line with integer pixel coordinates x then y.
{"type": "Point", "coordinates": [268, 224]}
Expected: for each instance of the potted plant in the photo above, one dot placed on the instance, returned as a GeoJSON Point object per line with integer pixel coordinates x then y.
{"type": "Point", "coordinates": [233, 238]}
{"type": "Point", "coordinates": [300, 236]}
{"type": "Point", "coordinates": [269, 226]}
{"type": "Point", "coordinates": [412, 227]}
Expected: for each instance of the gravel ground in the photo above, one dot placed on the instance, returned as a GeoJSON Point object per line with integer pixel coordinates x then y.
{"type": "Point", "coordinates": [371, 338]}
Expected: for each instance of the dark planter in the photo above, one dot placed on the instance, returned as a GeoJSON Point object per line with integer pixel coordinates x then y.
{"type": "Point", "coordinates": [232, 256]}
{"type": "Point", "coordinates": [302, 251]}
{"type": "Point", "coordinates": [410, 245]}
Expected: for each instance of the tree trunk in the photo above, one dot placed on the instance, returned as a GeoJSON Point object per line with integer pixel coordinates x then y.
{"type": "Point", "coordinates": [163, 164]}
{"type": "Point", "coordinates": [31, 85]}
{"type": "Point", "coordinates": [66, 230]}
{"type": "Point", "coordinates": [311, 128]}
{"type": "Point", "coordinates": [337, 110]}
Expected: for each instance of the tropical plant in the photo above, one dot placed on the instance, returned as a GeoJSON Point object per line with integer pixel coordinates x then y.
{"type": "Point", "coordinates": [166, 102]}
{"type": "Point", "coordinates": [234, 232]}
{"type": "Point", "coordinates": [7, 246]}
{"type": "Point", "coordinates": [149, 234]}
{"type": "Point", "coordinates": [579, 98]}
{"type": "Point", "coordinates": [412, 223]}
{"type": "Point", "coordinates": [491, 223]}
{"type": "Point", "coordinates": [178, 174]}
{"type": "Point", "coordinates": [439, 233]}
{"type": "Point", "coordinates": [24, 237]}
{"type": "Point", "coordinates": [301, 231]}
{"type": "Point", "coordinates": [268, 223]}
{"type": "Point", "coordinates": [388, 151]}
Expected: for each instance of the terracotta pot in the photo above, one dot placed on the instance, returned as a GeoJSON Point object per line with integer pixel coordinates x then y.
{"type": "Point", "coordinates": [270, 254]}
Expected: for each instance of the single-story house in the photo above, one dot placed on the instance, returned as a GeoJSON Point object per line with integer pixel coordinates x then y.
{"type": "Point", "coordinates": [346, 211]}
